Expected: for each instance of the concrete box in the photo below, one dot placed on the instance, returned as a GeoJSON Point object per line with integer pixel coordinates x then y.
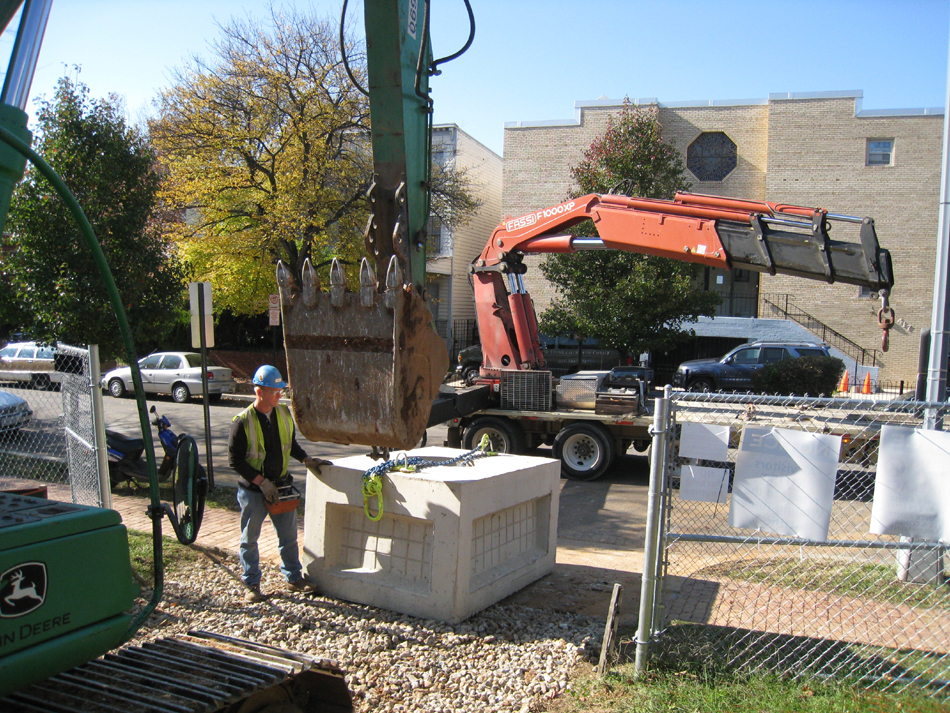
{"type": "Point", "coordinates": [452, 540]}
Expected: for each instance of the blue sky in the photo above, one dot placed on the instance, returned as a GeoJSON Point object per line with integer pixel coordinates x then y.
{"type": "Point", "coordinates": [532, 59]}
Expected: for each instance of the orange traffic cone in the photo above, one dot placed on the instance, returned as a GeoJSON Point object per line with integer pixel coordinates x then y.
{"type": "Point", "coordinates": [844, 385]}
{"type": "Point", "coordinates": [866, 389]}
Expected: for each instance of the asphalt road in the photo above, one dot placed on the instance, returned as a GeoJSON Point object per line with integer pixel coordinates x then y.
{"type": "Point", "coordinates": [610, 511]}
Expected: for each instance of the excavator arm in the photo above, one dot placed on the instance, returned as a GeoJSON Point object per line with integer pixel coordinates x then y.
{"type": "Point", "coordinates": [724, 233]}
{"type": "Point", "coordinates": [365, 366]}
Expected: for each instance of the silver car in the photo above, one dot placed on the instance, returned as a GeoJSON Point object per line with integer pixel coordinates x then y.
{"type": "Point", "coordinates": [175, 373]}
{"type": "Point", "coordinates": [14, 413]}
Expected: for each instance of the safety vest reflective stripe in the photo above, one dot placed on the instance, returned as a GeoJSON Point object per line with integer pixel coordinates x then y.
{"type": "Point", "coordinates": [255, 437]}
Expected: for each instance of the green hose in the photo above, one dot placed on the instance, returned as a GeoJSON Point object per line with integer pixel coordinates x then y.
{"type": "Point", "coordinates": [105, 273]}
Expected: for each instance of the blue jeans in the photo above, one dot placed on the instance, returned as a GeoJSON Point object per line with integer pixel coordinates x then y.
{"type": "Point", "coordinates": [253, 514]}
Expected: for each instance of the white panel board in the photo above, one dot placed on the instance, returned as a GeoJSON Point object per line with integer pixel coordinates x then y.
{"type": "Point", "coordinates": [912, 486]}
{"type": "Point", "coordinates": [702, 484]}
{"type": "Point", "coordinates": [785, 482]}
{"type": "Point", "coordinates": [704, 441]}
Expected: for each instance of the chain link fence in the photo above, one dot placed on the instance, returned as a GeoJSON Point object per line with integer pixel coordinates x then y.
{"type": "Point", "coordinates": [771, 555]}
{"type": "Point", "coordinates": [47, 426]}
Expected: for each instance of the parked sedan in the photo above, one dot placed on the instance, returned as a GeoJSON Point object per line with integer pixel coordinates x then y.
{"type": "Point", "coordinates": [14, 413]}
{"type": "Point", "coordinates": [175, 373]}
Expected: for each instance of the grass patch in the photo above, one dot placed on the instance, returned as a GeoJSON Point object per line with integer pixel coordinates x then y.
{"type": "Point", "coordinates": [175, 556]}
{"type": "Point", "coordinates": [705, 669]}
{"type": "Point", "coordinates": [860, 580]}
{"type": "Point", "coordinates": [671, 691]}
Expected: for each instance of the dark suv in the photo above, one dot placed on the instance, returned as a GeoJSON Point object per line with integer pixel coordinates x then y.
{"type": "Point", "coordinates": [734, 371]}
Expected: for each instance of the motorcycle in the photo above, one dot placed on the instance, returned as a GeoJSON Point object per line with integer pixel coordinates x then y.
{"type": "Point", "coordinates": [179, 463]}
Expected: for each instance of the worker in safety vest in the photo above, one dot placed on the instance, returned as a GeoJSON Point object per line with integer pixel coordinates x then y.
{"type": "Point", "coordinates": [260, 446]}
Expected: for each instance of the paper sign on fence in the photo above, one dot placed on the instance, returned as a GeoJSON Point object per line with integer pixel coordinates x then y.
{"type": "Point", "coordinates": [707, 485]}
{"type": "Point", "coordinates": [704, 441]}
{"type": "Point", "coordinates": [785, 482]}
{"type": "Point", "coordinates": [912, 486]}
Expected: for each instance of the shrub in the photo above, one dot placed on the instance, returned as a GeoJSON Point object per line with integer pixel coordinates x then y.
{"type": "Point", "coordinates": [813, 376]}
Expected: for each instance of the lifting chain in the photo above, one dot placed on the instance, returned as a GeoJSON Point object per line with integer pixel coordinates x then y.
{"type": "Point", "coordinates": [885, 320]}
{"type": "Point", "coordinates": [404, 463]}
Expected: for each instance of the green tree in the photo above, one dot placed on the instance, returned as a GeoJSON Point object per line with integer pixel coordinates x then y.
{"type": "Point", "coordinates": [267, 149]}
{"type": "Point", "coordinates": [111, 170]}
{"type": "Point", "coordinates": [630, 302]}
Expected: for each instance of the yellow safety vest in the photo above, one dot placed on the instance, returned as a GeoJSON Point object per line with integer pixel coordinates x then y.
{"type": "Point", "coordinates": [255, 437]}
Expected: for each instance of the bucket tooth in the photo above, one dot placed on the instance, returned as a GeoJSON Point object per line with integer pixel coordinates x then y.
{"type": "Point", "coordinates": [311, 284]}
{"type": "Point", "coordinates": [393, 282]}
{"type": "Point", "coordinates": [286, 283]}
{"type": "Point", "coordinates": [337, 283]}
{"type": "Point", "coordinates": [367, 284]}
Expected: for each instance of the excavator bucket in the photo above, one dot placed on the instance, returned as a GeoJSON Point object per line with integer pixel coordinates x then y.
{"type": "Point", "coordinates": [364, 367]}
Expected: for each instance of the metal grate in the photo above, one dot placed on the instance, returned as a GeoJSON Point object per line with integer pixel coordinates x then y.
{"type": "Point", "coordinates": [198, 672]}
{"type": "Point", "coordinates": [526, 390]}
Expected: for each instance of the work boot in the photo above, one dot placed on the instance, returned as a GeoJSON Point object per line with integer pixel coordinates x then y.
{"type": "Point", "coordinates": [253, 594]}
{"type": "Point", "coordinates": [302, 586]}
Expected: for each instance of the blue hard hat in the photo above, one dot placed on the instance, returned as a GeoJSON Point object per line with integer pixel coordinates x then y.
{"type": "Point", "coordinates": [269, 376]}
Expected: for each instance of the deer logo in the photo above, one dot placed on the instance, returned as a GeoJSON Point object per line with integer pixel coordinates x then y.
{"type": "Point", "coordinates": [22, 589]}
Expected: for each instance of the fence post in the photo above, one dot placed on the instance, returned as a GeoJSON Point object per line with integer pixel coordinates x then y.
{"type": "Point", "coordinates": [651, 549]}
{"type": "Point", "coordinates": [99, 429]}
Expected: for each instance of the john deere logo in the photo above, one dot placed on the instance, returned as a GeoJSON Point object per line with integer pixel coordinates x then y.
{"type": "Point", "coordinates": [22, 589]}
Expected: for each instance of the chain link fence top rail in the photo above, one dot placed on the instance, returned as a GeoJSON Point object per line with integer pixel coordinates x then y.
{"type": "Point", "coordinates": [837, 602]}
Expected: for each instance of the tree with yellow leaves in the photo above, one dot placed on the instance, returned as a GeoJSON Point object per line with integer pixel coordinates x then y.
{"type": "Point", "coordinates": [268, 156]}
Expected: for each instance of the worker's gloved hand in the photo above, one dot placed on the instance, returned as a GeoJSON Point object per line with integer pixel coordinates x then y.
{"type": "Point", "coordinates": [270, 491]}
{"type": "Point", "coordinates": [313, 464]}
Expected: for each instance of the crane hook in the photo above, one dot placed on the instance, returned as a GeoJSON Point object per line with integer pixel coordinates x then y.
{"type": "Point", "coordinates": [885, 319]}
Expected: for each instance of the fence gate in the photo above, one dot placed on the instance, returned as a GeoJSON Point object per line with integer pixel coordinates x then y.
{"type": "Point", "coordinates": [772, 546]}
{"type": "Point", "coordinates": [82, 418]}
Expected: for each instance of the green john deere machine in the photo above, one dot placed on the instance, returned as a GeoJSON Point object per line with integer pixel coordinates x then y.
{"type": "Point", "coordinates": [66, 588]}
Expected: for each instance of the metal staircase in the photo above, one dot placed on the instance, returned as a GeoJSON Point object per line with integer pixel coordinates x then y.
{"type": "Point", "coordinates": [782, 307]}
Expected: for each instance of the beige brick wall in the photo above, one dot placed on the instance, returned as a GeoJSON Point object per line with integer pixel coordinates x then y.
{"type": "Point", "coordinates": [803, 151]}
{"type": "Point", "coordinates": [817, 150]}
{"type": "Point", "coordinates": [484, 167]}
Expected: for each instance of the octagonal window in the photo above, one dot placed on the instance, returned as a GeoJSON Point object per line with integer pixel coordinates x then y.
{"type": "Point", "coordinates": [712, 156]}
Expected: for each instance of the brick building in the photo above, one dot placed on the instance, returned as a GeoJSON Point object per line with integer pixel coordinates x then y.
{"type": "Point", "coordinates": [816, 149]}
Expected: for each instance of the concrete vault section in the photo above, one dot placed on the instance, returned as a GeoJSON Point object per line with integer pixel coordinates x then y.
{"type": "Point", "coordinates": [452, 539]}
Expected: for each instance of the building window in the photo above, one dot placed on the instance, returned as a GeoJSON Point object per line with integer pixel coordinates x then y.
{"type": "Point", "coordinates": [434, 236]}
{"type": "Point", "coordinates": [739, 275]}
{"type": "Point", "coordinates": [712, 156]}
{"type": "Point", "coordinates": [880, 152]}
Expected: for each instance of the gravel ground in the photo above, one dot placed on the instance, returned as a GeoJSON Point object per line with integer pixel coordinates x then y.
{"type": "Point", "coordinates": [506, 658]}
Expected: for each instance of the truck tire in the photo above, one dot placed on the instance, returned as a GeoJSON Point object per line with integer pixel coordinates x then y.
{"type": "Point", "coordinates": [585, 450]}
{"type": "Point", "coordinates": [469, 374]}
{"type": "Point", "coordinates": [41, 382]}
{"type": "Point", "coordinates": [505, 436]}
{"type": "Point", "coordinates": [701, 385]}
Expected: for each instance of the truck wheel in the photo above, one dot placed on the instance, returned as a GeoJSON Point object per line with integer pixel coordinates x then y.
{"type": "Point", "coordinates": [505, 436]}
{"type": "Point", "coordinates": [701, 385]}
{"type": "Point", "coordinates": [41, 382]}
{"type": "Point", "coordinates": [585, 450]}
{"type": "Point", "coordinates": [469, 374]}
{"type": "Point", "coordinates": [641, 446]}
